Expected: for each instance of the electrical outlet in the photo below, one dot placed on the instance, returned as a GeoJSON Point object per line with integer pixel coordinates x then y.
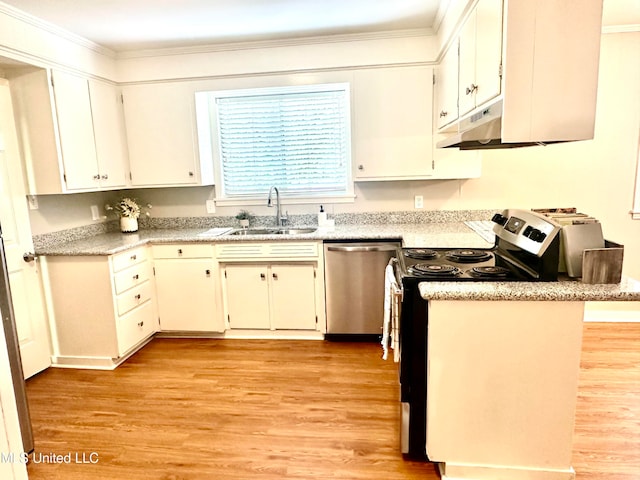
{"type": "Point", "coordinates": [211, 206]}
{"type": "Point", "coordinates": [418, 201]}
{"type": "Point", "coordinates": [33, 202]}
{"type": "Point", "coordinates": [95, 213]}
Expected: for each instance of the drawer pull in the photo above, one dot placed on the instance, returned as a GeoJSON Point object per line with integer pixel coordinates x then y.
{"type": "Point", "coordinates": [138, 297]}
{"type": "Point", "coordinates": [275, 276]}
{"type": "Point", "coordinates": [263, 276]}
{"type": "Point", "coordinates": [179, 251]}
{"type": "Point", "coordinates": [140, 324]}
{"type": "Point", "coordinates": [133, 257]}
{"type": "Point", "coordinates": [207, 272]}
{"type": "Point", "coordinates": [136, 277]}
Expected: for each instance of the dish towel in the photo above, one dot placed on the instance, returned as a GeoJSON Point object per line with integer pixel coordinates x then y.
{"type": "Point", "coordinates": [390, 320]}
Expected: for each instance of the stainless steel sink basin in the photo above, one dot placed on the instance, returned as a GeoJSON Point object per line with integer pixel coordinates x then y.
{"type": "Point", "coordinates": [294, 231]}
{"type": "Point", "coordinates": [272, 231]}
{"type": "Point", "coordinates": [253, 231]}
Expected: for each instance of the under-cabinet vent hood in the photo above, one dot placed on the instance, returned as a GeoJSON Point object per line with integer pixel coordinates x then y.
{"type": "Point", "coordinates": [483, 130]}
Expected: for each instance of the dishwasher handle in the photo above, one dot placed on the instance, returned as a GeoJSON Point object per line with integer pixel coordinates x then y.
{"type": "Point", "coordinates": [362, 248]}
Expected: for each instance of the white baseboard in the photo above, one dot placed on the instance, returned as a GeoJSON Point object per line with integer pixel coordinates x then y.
{"type": "Point", "coordinates": [622, 312]}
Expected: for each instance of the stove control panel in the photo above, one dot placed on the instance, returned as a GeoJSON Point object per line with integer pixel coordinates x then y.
{"type": "Point", "coordinates": [528, 230]}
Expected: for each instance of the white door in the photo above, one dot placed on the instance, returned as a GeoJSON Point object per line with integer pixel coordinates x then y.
{"type": "Point", "coordinates": [186, 295]}
{"type": "Point", "coordinates": [24, 277]}
{"type": "Point", "coordinates": [247, 296]}
{"type": "Point", "coordinates": [293, 297]}
{"type": "Point", "coordinates": [108, 128]}
{"type": "Point", "coordinates": [73, 110]}
{"type": "Point", "coordinates": [11, 466]}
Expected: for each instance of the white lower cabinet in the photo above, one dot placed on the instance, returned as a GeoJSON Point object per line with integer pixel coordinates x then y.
{"type": "Point", "coordinates": [272, 286]}
{"type": "Point", "coordinates": [271, 296]}
{"type": "Point", "coordinates": [103, 307]}
{"type": "Point", "coordinates": [186, 288]}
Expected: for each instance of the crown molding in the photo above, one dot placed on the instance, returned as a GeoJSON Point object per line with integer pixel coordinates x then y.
{"type": "Point", "coordinates": [54, 29]}
{"type": "Point", "coordinates": [287, 42]}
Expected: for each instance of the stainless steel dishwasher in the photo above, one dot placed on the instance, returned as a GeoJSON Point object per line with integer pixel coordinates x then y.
{"type": "Point", "coordinates": [354, 286]}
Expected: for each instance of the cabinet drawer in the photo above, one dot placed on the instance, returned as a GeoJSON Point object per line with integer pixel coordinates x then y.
{"type": "Point", "coordinates": [133, 297]}
{"type": "Point", "coordinates": [279, 250]}
{"type": "Point", "coordinates": [135, 326]}
{"type": "Point", "coordinates": [126, 259]}
{"type": "Point", "coordinates": [189, 250]}
{"type": "Point", "coordinates": [131, 277]}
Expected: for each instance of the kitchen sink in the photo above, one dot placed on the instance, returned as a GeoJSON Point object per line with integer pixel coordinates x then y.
{"type": "Point", "coordinates": [294, 231]}
{"type": "Point", "coordinates": [272, 231]}
{"type": "Point", "coordinates": [252, 231]}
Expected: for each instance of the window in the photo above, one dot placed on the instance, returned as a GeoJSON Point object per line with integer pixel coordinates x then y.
{"type": "Point", "coordinates": [294, 138]}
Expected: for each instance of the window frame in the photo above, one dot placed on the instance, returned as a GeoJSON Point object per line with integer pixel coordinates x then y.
{"type": "Point", "coordinates": [209, 145]}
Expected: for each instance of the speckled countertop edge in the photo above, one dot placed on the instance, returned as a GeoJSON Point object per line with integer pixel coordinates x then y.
{"type": "Point", "coordinates": [564, 290]}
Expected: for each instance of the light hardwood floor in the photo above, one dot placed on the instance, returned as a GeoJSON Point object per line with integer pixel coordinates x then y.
{"type": "Point", "coordinates": [231, 409]}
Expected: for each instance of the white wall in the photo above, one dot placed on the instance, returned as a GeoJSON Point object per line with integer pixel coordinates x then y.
{"type": "Point", "coordinates": [594, 176]}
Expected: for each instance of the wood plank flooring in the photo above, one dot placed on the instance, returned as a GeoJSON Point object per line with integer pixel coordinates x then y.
{"type": "Point", "coordinates": [184, 409]}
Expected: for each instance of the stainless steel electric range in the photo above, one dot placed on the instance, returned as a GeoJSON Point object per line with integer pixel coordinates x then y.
{"type": "Point", "coordinates": [526, 249]}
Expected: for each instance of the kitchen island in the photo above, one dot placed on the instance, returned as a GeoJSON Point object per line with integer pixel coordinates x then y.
{"type": "Point", "coordinates": [503, 365]}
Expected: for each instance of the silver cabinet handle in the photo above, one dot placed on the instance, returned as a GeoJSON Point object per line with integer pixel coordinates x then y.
{"type": "Point", "coordinates": [29, 257]}
{"type": "Point", "coordinates": [360, 167]}
{"type": "Point", "coordinates": [471, 88]}
{"type": "Point", "coordinates": [263, 276]}
{"type": "Point", "coordinates": [96, 177]}
{"type": "Point", "coordinates": [104, 177]}
{"type": "Point", "coordinates": [275, 276]}
{"type": "Point", "coordinates": [362, 248]}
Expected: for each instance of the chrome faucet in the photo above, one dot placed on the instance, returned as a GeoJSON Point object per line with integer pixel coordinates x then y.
{"type": "Point", "coordinates": [280, 219]}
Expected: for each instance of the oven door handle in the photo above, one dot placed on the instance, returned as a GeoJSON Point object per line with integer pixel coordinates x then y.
{"type": "Point", "coordinates": [363, 248]}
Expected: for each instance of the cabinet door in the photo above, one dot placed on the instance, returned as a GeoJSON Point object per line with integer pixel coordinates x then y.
{"type": "Point", "coordinates": [446, 86]}
{"type": "Point", "coordinates": [293, 303]}
{"type": "Point", "coordinates": [186, 295]}
{"type": "Point", "coordinates": [108, 127]}
{"type": "Point", "coordinates": [467, 65]}
{"type": "Point", "coordinates": [480, 56]}
{"type": "Point", "coordinates": [247, 296]}
{"type": "Point", "coordinates": [488, 50]}
{"type": "Point", "coordinates": [160, 124]}
{"type": "Point", "coordinates": [393, 119]}
{"type": "Point", "coordinates": [75, 126]}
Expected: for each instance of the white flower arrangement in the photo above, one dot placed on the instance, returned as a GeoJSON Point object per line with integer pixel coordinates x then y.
{"type": "Point", "coordinates": [127, 207]}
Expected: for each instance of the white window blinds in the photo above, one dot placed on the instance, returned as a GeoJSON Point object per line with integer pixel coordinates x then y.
{"type": "Point", "coordinates": [295, 139]}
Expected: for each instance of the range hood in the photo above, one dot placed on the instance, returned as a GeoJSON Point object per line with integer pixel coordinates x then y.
{"type": "Point", "coordinates": [483, 130]}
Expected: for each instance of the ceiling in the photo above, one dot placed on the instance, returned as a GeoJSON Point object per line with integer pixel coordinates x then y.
{"type": "Point", "coordinates": [122, 25]}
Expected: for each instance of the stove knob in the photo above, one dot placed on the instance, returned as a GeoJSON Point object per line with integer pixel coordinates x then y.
{"type": "Point", "coordinates": [537, 236]}
{"type": "Point", "coordinates": [499, 219]}
{"type": "Point", "coordinates": [527, 231]}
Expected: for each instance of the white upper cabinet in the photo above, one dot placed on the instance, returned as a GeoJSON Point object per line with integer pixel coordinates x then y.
{"type": "Point", "coordinates": [110, 137]}
{"type": "Point", "coordinates": [446, 88]}
{"type": "Point", "coordinates": [480, 55]}
{"type": "Point", "coordinates": [71, 131]}
{"type": "Point", "coordinates": [161, 130]}
{"type": "Point", "coordinates": [534, 61]}
{"type": "Point", "coordinates": [392, 123]}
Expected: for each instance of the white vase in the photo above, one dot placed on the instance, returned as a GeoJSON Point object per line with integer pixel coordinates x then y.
{"type": "Point", "coordinates": [128, 224]}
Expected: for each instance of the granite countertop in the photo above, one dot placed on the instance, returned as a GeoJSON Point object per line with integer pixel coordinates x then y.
{"type": "Point", "coordinates": [565, 289]}
{"type": "Point", "coordinates": [453, 234]}
{"type": "Point", "coordinates": [435, 235]}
